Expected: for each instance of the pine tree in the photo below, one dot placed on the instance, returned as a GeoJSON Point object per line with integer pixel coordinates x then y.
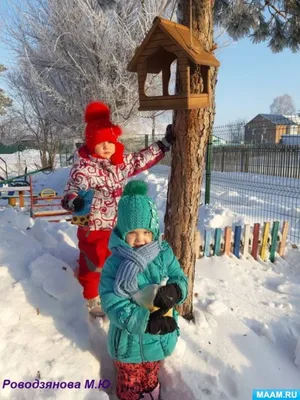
{"type": "Point", "coordinates": [272, 21]}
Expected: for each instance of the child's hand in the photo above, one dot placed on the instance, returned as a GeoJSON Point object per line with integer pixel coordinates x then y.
{"type": "Point", "coordinates": [159, 325]}
{"type": "Point", "coordinates": [168, 140]}
{"type": "Point", "coordinates": [167, 296]}
{"type": "Point", "coordinates": [72, 202]}
{"type": "Point", "coordinates": [169, 135]}
{"type": "Point", "coordinates": [78, 204]}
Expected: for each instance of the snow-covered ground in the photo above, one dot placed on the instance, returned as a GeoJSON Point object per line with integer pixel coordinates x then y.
{"type": "Point", "coordinates": [17, 162]}
{"type": "Point", "coordinates": [259, 198]}
{"type": "Point", "coordinates": [246, 334]}
{"type": "Point", "coordinates": [251, 197]}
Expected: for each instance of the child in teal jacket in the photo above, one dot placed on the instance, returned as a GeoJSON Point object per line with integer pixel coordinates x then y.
{"type": "Point", "coordinates": [140, 338]}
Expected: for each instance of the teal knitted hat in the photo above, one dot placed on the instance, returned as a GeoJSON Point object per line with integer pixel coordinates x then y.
{"type": "Point", "coordinates": [136, 210]}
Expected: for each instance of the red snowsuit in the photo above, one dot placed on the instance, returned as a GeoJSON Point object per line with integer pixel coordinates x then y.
{"type": "Point", "coordinates": [108, 181]}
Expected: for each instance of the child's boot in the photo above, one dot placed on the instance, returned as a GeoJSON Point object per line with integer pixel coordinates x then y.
{"type": "Point", "coordinates": [154, 395]}
{"type": "Point", "coordinates": [94, 307]}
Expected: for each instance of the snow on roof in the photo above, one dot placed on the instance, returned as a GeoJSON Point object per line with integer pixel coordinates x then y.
{"type": "Point", "coordinates": [277, 119]}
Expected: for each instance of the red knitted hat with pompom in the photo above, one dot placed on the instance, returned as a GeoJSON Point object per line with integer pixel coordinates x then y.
{"type": "Point", "coordinates": [100, 129]}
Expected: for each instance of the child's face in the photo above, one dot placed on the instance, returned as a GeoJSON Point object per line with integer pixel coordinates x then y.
{"type": "Point", "coordinates": [105, 149]}
{"type": "Point", "coordinates": [139, 237]}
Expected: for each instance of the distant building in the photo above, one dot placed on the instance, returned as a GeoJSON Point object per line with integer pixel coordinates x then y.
{"type": "Point", "coordinates": [269, 128]}
{"type": "Point", "coordinates": [295, 128]}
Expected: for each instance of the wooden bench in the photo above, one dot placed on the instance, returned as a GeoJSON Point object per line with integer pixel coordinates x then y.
{"type": "Point", "coordinates": [49, 213]}
{"type": "Point", "coordinates": [12, 198]}
{"type": "Point", "coordinates": [47, 198]}
{"type": "Point", "coordinates": [20, 196]}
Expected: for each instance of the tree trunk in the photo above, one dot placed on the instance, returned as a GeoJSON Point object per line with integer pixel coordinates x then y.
{"type": "Point", "coordinates": [43, 157]}
{"type": "Point", "coordinates": [52, 151]}
{"type": "Point", "coordinates": [192, 129]}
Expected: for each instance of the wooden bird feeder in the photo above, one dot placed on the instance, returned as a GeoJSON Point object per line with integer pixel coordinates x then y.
{"type": "Point", "coordinates": [166, 42]}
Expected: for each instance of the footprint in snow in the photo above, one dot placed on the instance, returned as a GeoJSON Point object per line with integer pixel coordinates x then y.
{"type": "Point", "coordinates": [228, 383]}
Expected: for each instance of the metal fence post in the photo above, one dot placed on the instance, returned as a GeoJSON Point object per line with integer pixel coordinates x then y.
{"type": "Point", "coordinates": [223, 159]}
{"type": "Point", "coordinates": [208, 169]}
{"type": "Point", "coordinates": [146, 140]}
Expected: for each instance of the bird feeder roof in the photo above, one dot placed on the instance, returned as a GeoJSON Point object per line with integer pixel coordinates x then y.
{"type": "Point", "coordinates": [180, 35]}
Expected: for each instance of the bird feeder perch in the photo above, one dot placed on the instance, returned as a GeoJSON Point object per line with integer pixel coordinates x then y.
{"type": "Point", "coordinates": [166, 42]}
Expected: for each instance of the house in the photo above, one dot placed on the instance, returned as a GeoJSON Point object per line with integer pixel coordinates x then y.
{"type": "Point", "coordinates": [294, 129]}
{"type": "Point", "coordinates": [269, 128]}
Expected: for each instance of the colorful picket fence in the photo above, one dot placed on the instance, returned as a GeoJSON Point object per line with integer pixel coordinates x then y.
{"type": "Point", "coordinates": [258, 241]}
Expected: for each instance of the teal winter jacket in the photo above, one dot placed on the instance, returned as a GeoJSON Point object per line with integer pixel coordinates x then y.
{"type": "Point", "coordinates": [127, 340]}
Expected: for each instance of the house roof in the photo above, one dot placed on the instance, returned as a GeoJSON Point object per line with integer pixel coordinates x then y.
{"type": "Point", "coordinates": [277, 119]}
{"type": "Point", "coordinates": [180, 35]}
{"type": "Point", "coordinates": [294, 118]}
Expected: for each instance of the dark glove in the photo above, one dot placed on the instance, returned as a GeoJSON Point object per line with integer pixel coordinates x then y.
{"type": "Point", "coordinates": [78, 204]}
{"type": "Point", "coordinates": [167, 296]}
{"type": "Point", "coordinates": [169, 135]}
{"type": "Point", "coordinates": [159, 325]}
{"type": "Point", "coordinates": [168, 140]}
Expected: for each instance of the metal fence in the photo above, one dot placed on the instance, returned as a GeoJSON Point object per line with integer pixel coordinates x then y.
{"type": "Point", "coordinates": [65, 153]}
{"type": "Point", "coordinates": [275, 160]}
{"type": "Point", "coordinates": [255, 178]}
{"type": "Point", "coordinates": [256, 170]}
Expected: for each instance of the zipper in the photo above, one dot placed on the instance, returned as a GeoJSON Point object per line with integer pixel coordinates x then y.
{"type": "Point", "coordinates": [117, 340]}
{"type": "Point", "coordinates": [141, 349]}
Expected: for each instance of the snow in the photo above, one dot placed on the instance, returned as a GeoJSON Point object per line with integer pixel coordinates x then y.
{"type": "Point", "coordinates": [17, 162]}
{"type": "Point", "coordinates": [143, 126]}
{"type": "Point", "coordinates": [257, 198]}
{"type": "Point", "coordinates": [237, 197]}
{"type": "Point", "coordinates": [246, 333]}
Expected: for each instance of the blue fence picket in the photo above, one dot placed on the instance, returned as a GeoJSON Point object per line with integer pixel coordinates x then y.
{"type": "Point", "coordinates": [237, 241]}
{"type": "Point", "coordinates": [207, 237]}
{"type": "Point", "coordinates": [217, 245]}
{"type": "Point", "coordinates": [217, 238]}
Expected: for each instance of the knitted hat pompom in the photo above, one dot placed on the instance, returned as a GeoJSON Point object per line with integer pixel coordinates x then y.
{"type": "Point", "coordinates": [97, 111]}
{"type": "Point", "coordinates": [134, 188]}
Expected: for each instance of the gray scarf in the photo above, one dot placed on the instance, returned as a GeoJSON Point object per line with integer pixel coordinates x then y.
{"type": "Point", "coordinates": [134, 262]}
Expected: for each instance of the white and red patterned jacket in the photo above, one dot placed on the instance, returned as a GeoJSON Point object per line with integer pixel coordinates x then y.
{"type": "Point", "coordinates": [107, 181]}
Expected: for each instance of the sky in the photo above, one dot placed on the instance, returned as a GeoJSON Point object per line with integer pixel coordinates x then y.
{"type": "Point", "coordinates": [250, 77]}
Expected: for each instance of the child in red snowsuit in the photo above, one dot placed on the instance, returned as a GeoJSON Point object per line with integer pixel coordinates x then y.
{"type": "Point", "coordinates": [101, 166]}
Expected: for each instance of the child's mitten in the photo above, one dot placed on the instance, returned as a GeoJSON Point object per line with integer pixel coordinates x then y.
{"type": "Point", "coordinates": [78, 204]}
{"type": "Point", "coordinates": [85, 198]}
{"type": "Point", "coordinates": [167, 296]}
{"type": "Point", "coordinates": [72, 202]}
{"type": "Point", "coordinates": [160, 325]}
{"type": "Point", "coordinates": [168, 139]}
{"type": "Point", "coordinates": [169, 136]}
